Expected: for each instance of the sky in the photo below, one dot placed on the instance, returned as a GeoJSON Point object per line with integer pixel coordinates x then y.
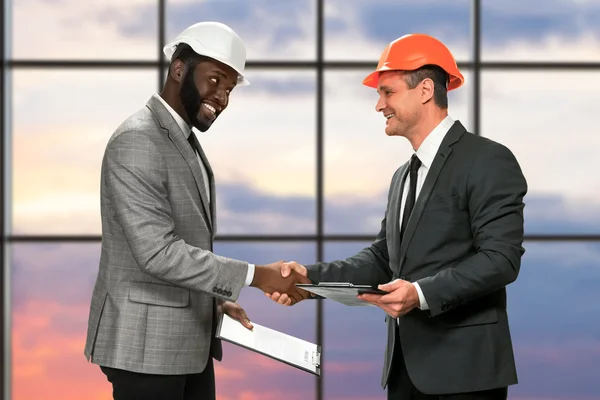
{"type": "Point", "coordinates": [263, 148]}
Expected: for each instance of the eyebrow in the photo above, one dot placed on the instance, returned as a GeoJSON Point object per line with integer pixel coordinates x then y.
{"type": "Point", "coordinates": [385, 87]}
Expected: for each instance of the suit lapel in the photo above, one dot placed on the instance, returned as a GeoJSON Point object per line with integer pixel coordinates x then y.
{"type": "Point", "coordinates": [211, 185]}
{"type": "Point", "coordinates": [453, 135]}
{"type": "Point", "coordinates": [176, 135]}
{"type": "Point", "coordinates": [394, 215]}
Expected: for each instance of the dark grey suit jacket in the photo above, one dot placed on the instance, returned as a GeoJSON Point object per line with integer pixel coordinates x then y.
{"type": "Point", "coordinates": [154, 304]}
{"type": "Point", "coordinates": [463, 244]}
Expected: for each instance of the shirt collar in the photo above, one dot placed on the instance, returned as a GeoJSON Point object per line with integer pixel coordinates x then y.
{"type": "Point", "coordinates": [182, 124]}
{"type": "Point", "coordinates": [430, 146]}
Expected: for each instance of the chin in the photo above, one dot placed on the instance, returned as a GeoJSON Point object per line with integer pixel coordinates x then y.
{"type": "Point", "coordinates": [201, 125]}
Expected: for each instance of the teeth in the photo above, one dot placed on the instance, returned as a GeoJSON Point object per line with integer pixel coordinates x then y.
{"type": "Point", "coordinates": [210, 108]}
{"type": "Point", "coordinates": [389, 116]}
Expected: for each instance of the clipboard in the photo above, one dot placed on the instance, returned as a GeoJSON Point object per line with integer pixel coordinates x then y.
{"type": "Point", "coordinates": [279, 346]}
{"type": "Point", "coordinates": [342, 292]}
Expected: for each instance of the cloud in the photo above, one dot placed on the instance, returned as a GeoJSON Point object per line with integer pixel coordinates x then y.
{"type": "Point", "coordinates": [68, 29]}
{"type": "Point", "coordinates": [265, 26]}
{"type": "Point", "coordinates": [363, 29]}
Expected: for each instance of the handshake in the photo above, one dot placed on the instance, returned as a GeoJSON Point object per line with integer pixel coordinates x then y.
{"type": "Point", "coordinates": [278, 281]}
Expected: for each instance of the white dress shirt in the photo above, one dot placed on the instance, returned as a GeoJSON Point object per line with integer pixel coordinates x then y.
{"type": "Point", "coordinates": [426, 153]}
{"type": "Point", "coordinates": [187, 130]}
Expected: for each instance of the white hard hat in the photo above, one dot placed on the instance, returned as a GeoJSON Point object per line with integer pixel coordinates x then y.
{"type": "Point", "coordinates": [214, 40]}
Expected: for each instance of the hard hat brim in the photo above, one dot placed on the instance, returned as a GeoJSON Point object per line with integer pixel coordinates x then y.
{"type": "Point", "coordinates": [372, 80]}
{"type": "Point", "coordinates": [169, 50]}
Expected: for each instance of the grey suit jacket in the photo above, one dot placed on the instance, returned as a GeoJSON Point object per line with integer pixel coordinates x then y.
{"type": "Point", "coordinates": [463, 244]}
{"type": "Point", "coordinates": [154, 304]}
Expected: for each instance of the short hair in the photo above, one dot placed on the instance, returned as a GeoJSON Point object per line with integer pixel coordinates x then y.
{"type": "Point", "coordinates": [189, 57]}
{"type": "Point", "coordinates": [437, 75]}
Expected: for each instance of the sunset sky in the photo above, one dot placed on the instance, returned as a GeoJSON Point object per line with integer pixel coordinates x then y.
{"type": "Point", "coordinates": [262, 149]}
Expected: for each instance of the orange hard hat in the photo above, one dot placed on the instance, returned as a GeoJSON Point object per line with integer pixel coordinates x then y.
{"type": "Point", "coordinates": [413, 51]}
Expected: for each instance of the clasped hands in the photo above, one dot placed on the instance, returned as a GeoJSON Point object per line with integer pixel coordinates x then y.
{"type": "Point", "coordinates": [402, 295]}
{"type": "Point", "coordinates": [271, 278]}
{"type": "Point", "coordinates": [277, 278]}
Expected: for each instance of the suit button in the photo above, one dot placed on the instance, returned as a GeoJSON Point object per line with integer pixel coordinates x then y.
{"type": "Point", "coordinates": [229, 293]}
{"type": "Point", "coordinates": [215, 289]}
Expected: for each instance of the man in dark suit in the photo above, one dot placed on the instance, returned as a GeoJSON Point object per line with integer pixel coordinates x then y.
{"type": "Point", "coordinates": [450, 242]}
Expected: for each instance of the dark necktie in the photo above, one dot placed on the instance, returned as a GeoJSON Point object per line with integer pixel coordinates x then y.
{"type": "Point", "coordinates": [415, 163]}
{"type": "Point", "coordinates": [202, 166]}
{"type": "Point", "coordinates": [193, 144]}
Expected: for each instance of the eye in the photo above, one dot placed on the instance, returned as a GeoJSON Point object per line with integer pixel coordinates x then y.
{"type": "Point", "coordinates": [215, 80]}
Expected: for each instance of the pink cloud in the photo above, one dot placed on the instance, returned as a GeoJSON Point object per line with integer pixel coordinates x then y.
{"type": "Point", "coordinates": [337, 367]}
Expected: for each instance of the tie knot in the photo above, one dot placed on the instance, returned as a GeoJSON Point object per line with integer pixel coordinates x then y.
{"type": "Point", "coordinates": [415, 163]}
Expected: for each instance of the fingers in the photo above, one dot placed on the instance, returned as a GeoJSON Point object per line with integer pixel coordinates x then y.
{"type": "Point", "coordinates": [391, 286]}
{"type": "Point", "coordinates": [371, 298]}
{"type": "Point", "coordinates": [286, 269]}
{"type": "Point", "coordinates": [290, 266]}
{"type": "Point", "coordinates": [243, 318]}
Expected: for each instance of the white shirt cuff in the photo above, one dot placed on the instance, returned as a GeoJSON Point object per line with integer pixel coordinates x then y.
{"type": "Point", "coordinates": [422, 302]}
{"type": "Point", "coordinates": [250, 275]}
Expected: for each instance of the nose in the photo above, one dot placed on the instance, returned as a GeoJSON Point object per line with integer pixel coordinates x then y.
{"type": "Point", "coordinates": [221, 97]}
{"type": "Point", "coordinates": [380, 104]}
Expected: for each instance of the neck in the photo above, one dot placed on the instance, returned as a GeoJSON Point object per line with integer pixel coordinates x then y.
{"type": "Point", "coordinates": [171, 96]}
{"type": "Point", "coordinates": [429, 121]}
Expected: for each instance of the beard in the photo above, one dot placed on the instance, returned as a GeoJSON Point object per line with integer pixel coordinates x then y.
{"type": "Point", "coordinates": [192, 101]}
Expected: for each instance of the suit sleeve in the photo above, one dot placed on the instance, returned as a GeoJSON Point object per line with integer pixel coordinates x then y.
{"type": "Point", "coordinates": [136, 184]}
{"type": "Point", "coordinates": [371, 266]}
{"type": "Point", "coordinates": [496, 188]}
{"type": "Point", "coordinates": [368, 267]}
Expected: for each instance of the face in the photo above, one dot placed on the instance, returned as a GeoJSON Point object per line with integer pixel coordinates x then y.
{"type": "Point", "coordinates": [398, 104]}
{"type": "Point", "coordinates": [205, 92]}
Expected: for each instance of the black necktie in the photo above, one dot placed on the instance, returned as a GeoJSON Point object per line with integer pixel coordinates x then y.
{"type": "Point", "coordinates": [415, 163]}
{"type": "Point", "coordinates": [192, 143]}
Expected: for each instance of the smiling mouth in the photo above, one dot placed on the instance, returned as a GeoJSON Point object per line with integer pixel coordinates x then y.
{"type": "Point", "coordinates": [388, 117]}
{"type": "Point", "coordinates": [210, 110]}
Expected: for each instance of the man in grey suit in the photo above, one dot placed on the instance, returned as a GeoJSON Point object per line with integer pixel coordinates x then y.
{"type": "Point", "coordinates": [160, 288]}
{"type": "Point", "coordinates": [450, 241]}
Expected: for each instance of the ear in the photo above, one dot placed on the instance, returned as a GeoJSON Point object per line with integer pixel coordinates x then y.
{"type": "Point", "coordinates": [177, 70]}
{"type": "Point", "coordinates": [427, 89]}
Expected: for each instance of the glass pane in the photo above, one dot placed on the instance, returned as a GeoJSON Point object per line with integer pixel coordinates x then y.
{"type": "Point", "coordinates": [51, 290]}
{"type": "Point", "coordinates": [71, 29]}
{"type": "Point", "coordinates": [555, 343]}
{"type": "Point", "coordinates": [62, 120]}
{"type": "Point", "coordinates": [547, 119]}
{"type": "Point", "coordinates": [553, 311]}
{"type": "Point", "coordinates": [262, 150]}
{"type": "Point", "coordinates": [360, 159]}
{"type": "Point", "coordinates": [266, 27]}
{"type": "Point", "coordinates": [360, 30]}
{"type": "Point", "coordinates": [247, 375]}
{"type": "Point", "coordinates": [45, 319]}
{"type": "Point", "coordinates": [354, 341]}
{"type": "Point", "coordinates": [540, 30]}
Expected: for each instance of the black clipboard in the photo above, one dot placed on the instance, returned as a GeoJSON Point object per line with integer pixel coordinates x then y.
{"type": "Point", "coordinates": [350, 288]}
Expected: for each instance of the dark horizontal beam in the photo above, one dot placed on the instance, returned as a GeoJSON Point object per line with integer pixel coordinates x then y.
{"type": "Point", "coordinates": [284, 238]}
{"type": "Point", "coordinates": [489, 65]}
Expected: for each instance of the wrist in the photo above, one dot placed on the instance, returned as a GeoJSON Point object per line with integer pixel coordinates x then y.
{"type": "Point", "coordinates": [258, 274]}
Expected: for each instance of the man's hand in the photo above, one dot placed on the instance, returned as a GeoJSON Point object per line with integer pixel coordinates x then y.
{"type": "Point", "coordinates": [272, 279]}
{"type": "Point", "coordinates": [235, 311]}
{"type": "Point", "coordinates": [403, 297]}
{"type": "Point", "coordinates": [286, 269]}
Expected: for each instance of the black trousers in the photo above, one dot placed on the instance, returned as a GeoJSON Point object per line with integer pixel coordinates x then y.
{"type": "Point", "coordinates": [135, 386]}
{"type": "Point", "coordinates": [400, 387]}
